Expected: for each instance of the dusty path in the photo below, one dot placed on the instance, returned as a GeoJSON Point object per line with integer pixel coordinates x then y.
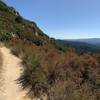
{"type": "Point", "coordinates": [10, 90]}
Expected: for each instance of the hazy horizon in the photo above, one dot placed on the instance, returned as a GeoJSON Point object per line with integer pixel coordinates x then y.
{"type": "Point", "coordinates": [62, 19]}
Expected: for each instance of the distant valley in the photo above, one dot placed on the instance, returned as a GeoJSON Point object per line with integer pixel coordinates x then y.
{"type": "Point", "coordinates": [81, 45]}
{"type": "Point", "coordinates": [93, 41]}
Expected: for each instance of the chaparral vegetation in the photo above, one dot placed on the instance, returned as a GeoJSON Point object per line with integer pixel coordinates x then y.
{"type": "Point", "coordinates": [49, 69]}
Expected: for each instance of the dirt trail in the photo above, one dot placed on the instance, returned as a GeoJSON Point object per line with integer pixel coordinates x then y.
{"type": "Point", "coordinates": [11, 70]}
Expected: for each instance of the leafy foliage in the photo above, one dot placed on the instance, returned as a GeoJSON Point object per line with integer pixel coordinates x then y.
{"type": "Point", "coordinates": [5, 36]}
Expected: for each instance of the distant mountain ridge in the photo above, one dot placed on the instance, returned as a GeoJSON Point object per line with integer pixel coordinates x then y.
{"type": "Point", "coordinates": [93, 41]}
{"type": "Point", "coordinates": [79, 45]}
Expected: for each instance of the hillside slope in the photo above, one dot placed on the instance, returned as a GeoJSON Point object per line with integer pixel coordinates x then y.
{"type": "Point", "coordinates": [47, 71]}
{"type": "Point", "coordinates": [14, 25]}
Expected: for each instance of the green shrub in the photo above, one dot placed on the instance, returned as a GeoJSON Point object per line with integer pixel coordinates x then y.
{"type": "Point", "coordinates": [5, 36]}
{"type": "Point", "coordinates": [34, 79]}
{"type": "Point", "coordinates": [19, 19]}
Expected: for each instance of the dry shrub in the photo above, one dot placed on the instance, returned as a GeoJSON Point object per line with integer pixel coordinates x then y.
{"type": "Point", "coordinates": [59, 75]}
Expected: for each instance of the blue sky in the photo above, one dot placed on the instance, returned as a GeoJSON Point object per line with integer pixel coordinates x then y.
{"type": "Point", "coordinates": [62, 18]}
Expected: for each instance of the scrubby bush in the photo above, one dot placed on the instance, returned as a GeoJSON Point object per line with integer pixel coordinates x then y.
{"type": "Point", "coordinates": [39, 84]}
{"type": "Point", "coordinates": [19, 19]}
{"type": "Point", "coordinates": [5, 36]}
{"type": "Point", "coordinates": [59, 75]}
